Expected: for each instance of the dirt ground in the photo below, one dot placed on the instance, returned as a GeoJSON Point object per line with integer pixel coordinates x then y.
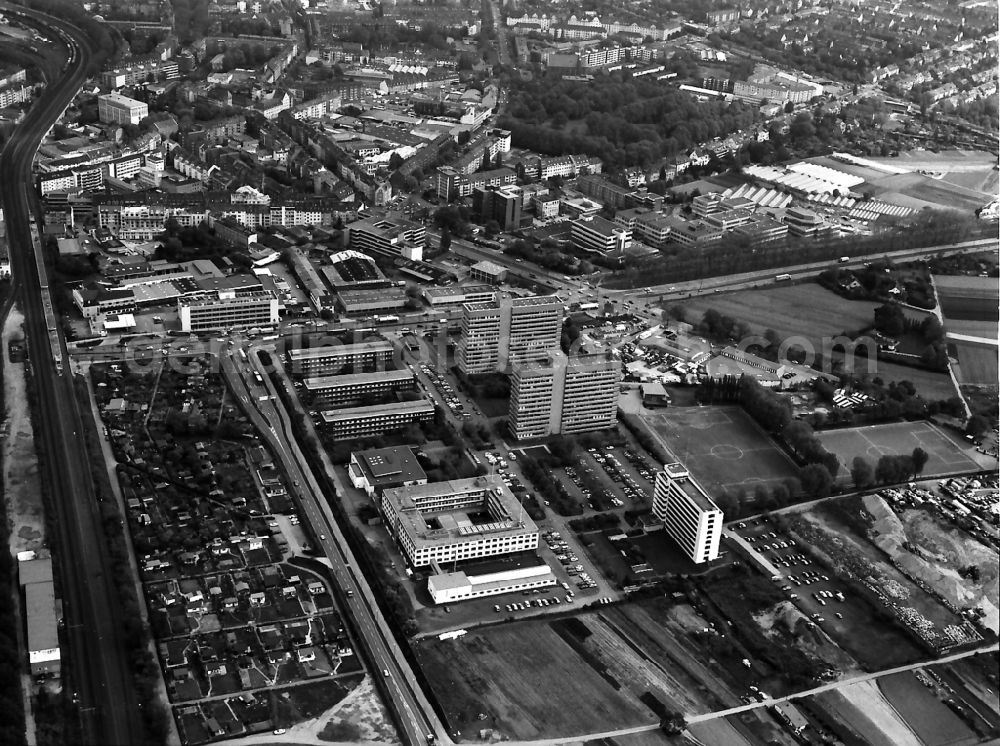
{"type": "Point", "coordinates": [873, 716]}
{"type": "Point", "coordinates": [22, 486]}
{"type": "Point", "coordinates": [366, 721]}
{"type": "Point", "coordinates": [941, 552]}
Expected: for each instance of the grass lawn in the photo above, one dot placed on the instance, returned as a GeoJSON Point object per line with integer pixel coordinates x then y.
{"type": "Point", "coordinates": [929, 384]}
{"type": "Point", "coordinates": [721, 446]}
{"type": "Point", "coordinates": [806, 309]}
{"type": "Point", "coordinates": [873, 441]}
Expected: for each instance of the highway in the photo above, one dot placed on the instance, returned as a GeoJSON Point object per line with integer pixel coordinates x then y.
{"type": "Point", "coordinates": [97, 666]}
{"type": "Point", "coordinates": [412, 708]}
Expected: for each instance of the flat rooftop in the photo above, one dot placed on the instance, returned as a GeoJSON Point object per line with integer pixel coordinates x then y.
{"type": "Point", "coordinates": [686, 484]}
{"type": "Point", "coordinates": [529, 301]}
{"type": "Point", "coordinates": [356, 379]}
{"type": "Point", "coordinates": [457, 525]}
{"type": "Point", "coordinates": [456, 290]}
{"type": "Point", "coordinates": [355, 348]}
{"type": "Point", "coordinates": [393, 463]}
{"type": "Point", "coordinates": [378, 410]}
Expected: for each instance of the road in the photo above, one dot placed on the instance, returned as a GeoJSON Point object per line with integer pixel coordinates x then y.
{"type": "Point", "coordinates": [412, 708]}
{"type": "Point", "coordinates": [797, 272]}
{"type": "Point", "coordinates": [97, 665]}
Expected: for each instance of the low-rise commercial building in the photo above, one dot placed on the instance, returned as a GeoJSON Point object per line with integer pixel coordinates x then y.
{"type": "Point", "coordinates": [489, 272]}
{"type": "Point", "coordinates": [454, 295]}
{"type": "Point", "coordinates": [385, 468]}
{"type": "Point", "coordinates": [462, 519]}
{"type": "Point", "coordinates": [689, 516]}
{"type": "Point", "coordinates": [449, 587]}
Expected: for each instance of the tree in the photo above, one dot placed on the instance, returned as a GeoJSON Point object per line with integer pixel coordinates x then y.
{"type": "Point", "coordinates": [816, 480]}
{"type": "Point", "coordinates": [890, 320]}
{"type": "Point", "coordinates": [919, 457]}
{"type": "Point", "coordinates": [862, 473]}
{"type": "Point", "coordinates": [977, 425]}
{"type": "Point", "coordinates": [395, 161]}
{"type": "Point", "coordinates": [728, 504]}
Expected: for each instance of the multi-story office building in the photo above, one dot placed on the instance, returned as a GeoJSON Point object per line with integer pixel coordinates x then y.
{"type": "Point", "coordinates": [384, 235]}
{"type": "Point", "coordinates": [228, 310]}
{"type": "Point", "coordinates": [452, 183]}
{"type": "Point", "coordinates": [802, 223]}
{"type": "Point", "coordinates": [459, 520]}
{"type": "Point", "coordinates": [354, 387]}
{"type": "Point", "coordinates": [762, 229]}
{"type": "Point", "coordinates": [695, 233]}
{"type": "Point", "coordinates": [561, 394]}
{"type": "Point", "coordinates": [363, 422]}
{"type": "Point", "coordinates": [374, 354]}
{"type": "Point", "coordinates": [508, 330]}
{"type": "Point", "coordinates": [113, 108]}
{"type": "Point", "coordinates": [597, 235]}
{"type": "Point", "coordinates": [502, 204]}
{"type": "Point", "coordinates": [689, 516]}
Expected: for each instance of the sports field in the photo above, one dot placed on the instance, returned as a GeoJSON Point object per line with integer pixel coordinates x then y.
{"type": "Point", "coordinates": [722, 447]}
{"type": "Point", "coordinates": [898, 438]}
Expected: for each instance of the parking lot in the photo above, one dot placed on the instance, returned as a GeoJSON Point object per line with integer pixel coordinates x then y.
{"type": "Point", "coordinates": [611, 478]}
{"type": "Point", "coordinates": [820, 595]}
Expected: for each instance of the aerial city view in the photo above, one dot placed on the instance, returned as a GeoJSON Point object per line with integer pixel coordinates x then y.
{"type": "Point", "coordinates": [540, 372]}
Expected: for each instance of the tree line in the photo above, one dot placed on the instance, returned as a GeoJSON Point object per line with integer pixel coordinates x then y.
{"type": "Point", "coordinates": [732, 256]}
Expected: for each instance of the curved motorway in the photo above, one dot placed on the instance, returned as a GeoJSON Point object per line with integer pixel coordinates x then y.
{"type": "Point", "coordinates": [97, 665]}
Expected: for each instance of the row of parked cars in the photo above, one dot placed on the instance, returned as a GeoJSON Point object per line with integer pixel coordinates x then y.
{"type": "Point", "coordinates": [613, 468]}
{"type": "Point", "coordinates": [445, 390]}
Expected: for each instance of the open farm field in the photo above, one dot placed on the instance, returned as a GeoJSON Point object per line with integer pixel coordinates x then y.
{"type": "Point", "coordinates": [933, 192]}
{"type": "Point", "coordinates": [488, 673]}
{"type": "Point", "coordinates": [930, 719]}
{"type": "Point", "coordinates": [946, 455]}
{"type": "Point", "coordinates": [934, 551]}
{"type": "Point", "coordinates": [806, 309]}
{"type": "Point", "coordinates": [965, 298]}
{"type": "Point", "coordinates": [719, 730]}
{"type": "Point", "coordinates": [978, 363]}
{"type": "Point", "coordinates": [599, 671]}
{"type": "Point", "coordinates": [721, 446]}
{"type": "Point", "coordinates": [986, 329]}
{"type": "Point", "coordinates": [944, 160]}
{"type": "Point", "coordinates": [837, 531]}
{"type": "Point", "coordinates": [978, 180]}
